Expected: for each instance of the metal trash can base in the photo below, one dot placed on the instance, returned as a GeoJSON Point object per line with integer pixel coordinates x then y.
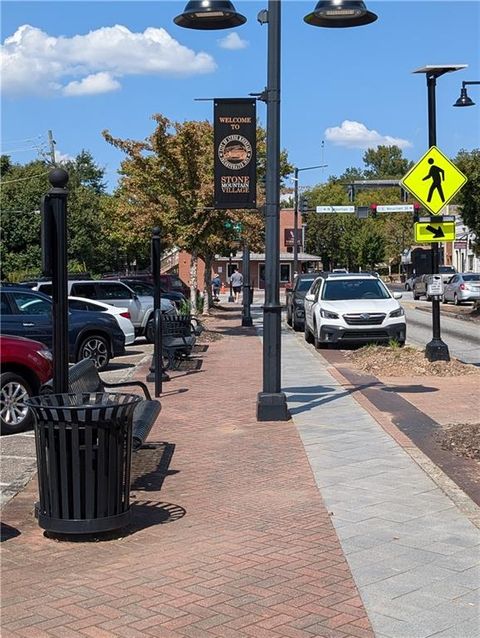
{"type": "Point", "coordinates": [84, 445]}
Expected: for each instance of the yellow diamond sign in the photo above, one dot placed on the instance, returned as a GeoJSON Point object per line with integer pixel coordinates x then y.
{"type": "Point", "coordinates": [434, 180]}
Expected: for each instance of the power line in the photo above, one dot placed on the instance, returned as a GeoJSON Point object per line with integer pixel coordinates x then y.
{"type": "Point", "coordinates": [22, 179]}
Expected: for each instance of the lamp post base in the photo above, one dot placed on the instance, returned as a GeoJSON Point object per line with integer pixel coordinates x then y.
{"type": "Point", "coordinates": [247, 321]}
{"type": "Point", "coordinates": [437, 350]}
{"type": "Point", "coordinates": [150, 378]}
{"type": "Point", "coordinates": [272, 407]}
{"type": "Point", "coordinates": [231, 299]}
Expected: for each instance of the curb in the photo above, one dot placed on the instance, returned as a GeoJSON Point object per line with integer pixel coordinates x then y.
{"type": "Point", "coordinates": [450, 314]}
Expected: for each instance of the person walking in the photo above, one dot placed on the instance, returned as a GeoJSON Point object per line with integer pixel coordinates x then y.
{"type": "Point", "coordinates": [237, 282]}
{"type": "Point", "coordinates": [216, 285]}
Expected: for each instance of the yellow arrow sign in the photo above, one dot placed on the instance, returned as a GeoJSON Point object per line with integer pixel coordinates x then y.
{"type": "Point", "coordinates": [434, 231]}
{"type": "Point", "coordinates": [434, 180]}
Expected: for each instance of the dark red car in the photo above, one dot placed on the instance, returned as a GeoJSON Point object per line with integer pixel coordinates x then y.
{"type": "Point", "coordinates": [25, 365]}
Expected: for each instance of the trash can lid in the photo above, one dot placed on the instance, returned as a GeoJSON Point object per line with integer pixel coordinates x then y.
{"type": "Point", "coordinates": [83, 400]}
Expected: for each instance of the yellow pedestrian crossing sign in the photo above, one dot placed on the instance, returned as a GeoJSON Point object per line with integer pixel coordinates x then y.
{"type": "Point", "coordinates": [434, 231]}
{"type": "Point", "coordinates": [434, 180]}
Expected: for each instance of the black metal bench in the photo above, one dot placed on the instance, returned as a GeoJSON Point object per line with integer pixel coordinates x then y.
{"type": "Point", "coordinates": [83, 377]}
{"type": "Point", "coordinates": [179, 334]}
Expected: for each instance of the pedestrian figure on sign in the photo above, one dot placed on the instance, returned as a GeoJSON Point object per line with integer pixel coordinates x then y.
{"type": "Point", "coordinates": [437, 175]}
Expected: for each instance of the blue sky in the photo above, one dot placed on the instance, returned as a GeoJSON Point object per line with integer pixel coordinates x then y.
{"type": "Point", "coordinates": [75, 72]}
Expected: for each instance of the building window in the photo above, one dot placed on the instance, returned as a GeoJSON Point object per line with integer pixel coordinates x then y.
{"type": "Point", "coordinates": [284, 273]}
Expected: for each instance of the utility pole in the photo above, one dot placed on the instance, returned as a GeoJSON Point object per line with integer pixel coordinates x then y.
{"type": "Point", "coordinates": [51, 144]}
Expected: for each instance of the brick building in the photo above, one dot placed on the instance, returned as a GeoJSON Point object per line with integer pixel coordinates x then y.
{"type": "Point", "coordinates": [223, 265]}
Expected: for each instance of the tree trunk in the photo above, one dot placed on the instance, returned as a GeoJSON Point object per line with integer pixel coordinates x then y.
{"type": "Point", "coordinates": [208, 299]}
{"type": "Point", "coordinates": [193, 282]}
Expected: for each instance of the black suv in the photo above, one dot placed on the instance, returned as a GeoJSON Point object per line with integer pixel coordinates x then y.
{"type": "Point", "coordinates": [296, 297]}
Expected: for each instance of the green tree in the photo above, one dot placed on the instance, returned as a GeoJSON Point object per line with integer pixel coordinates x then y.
{"type": "Point", "coordinates": [469, 197]}
{"type": "Point", "coordinates": [385, 162]}
{"type": "Point", "coordinates": [167, 180]}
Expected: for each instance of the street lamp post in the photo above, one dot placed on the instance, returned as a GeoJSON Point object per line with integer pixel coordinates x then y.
{"type": "Point", "coordinates": [221, 14]}
{"type": "Point", "coordinates": [464, 99]}
{"type": "Point", "coordinates": [436, 349]}
{"type": "Point", "coordinates": [295, 214]}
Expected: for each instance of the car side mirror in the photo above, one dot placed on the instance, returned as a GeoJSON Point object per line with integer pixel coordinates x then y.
{"type": "Point", "coordinates": [397, 295]}
{"type": "Point", "coordinates": [288, 289]}
{"type": "Point", "coordinates": [309, 297]}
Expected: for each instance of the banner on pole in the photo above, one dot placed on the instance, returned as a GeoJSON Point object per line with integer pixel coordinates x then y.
{"type": "Point", "coordinates": [235, 150]}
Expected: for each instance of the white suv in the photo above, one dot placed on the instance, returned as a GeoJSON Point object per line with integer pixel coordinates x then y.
{"type": "Point", "coordinates": [349, 308]}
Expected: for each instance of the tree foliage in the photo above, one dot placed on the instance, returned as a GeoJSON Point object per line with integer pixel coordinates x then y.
{"type": "Point", "coordinates": [469, 197]}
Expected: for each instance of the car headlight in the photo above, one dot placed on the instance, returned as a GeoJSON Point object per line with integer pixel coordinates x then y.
{"type": "Point", "coordinates": [397, 313]}
{"type": "Point", "coordinates": [326, 314]}
{"type": "Point", "coordinates": [46, 354]}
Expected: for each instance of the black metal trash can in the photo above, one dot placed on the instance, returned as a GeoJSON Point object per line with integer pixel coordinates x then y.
{"type": "Point", "coordinates": [84, 445]}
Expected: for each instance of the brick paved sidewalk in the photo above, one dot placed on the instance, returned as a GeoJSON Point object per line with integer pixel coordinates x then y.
{"type": "Point", "coordinates": [230, 534]}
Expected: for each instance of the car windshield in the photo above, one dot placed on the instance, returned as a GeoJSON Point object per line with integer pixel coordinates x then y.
{"type": "Point", "coordinates": [354, 289]}
{"type": "Point", "coordinates": [471, 277]}
{"type": "Point", "coordinates": [446, 269]}
{"type": "Point", "coordinates": [140, 288]}
{"type": "Point", "coordinates": [304, 284]}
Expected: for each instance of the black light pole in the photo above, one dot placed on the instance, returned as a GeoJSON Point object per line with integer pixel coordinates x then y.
{"type": "Point", "coordinates": [54, 264]}
{"type": "Point", "coordinates": [221, 14]}
{"type": "Point", "coordinates": [436, 349]}
{"type": "Point", "coordinates": [295, 215]}
{"type": "Point", "coordinates": [157, 374]}
{"type": "Point", "coordinates": [231, 298]}
{"type": "Point", "coordinates": [246, 315]}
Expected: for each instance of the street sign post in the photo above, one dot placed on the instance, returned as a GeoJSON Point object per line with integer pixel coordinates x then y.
{"type": "Point", "coordinates": [433, 230]}
{"type": "Point", "coordinates": [434, 180]}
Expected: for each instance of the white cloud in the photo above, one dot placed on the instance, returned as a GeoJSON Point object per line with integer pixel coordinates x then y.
{"type": "Point", "coordinates": [62, 158]}
{"type": "Point", "coordinates": [232, 41]}
{"type": "Point", "coordinates": [97, 83]}
{"type": "Point", "coordinates": [356, 135]}
{"type": "Point", "coordinates": [35, 63]}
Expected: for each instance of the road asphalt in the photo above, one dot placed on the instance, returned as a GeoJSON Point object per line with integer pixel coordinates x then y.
{"type": "Point", "coordinates": [332, 525]}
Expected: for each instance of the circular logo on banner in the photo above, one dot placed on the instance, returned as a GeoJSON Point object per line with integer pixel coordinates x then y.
{"type": "Point", "coordinates": [235, 152]}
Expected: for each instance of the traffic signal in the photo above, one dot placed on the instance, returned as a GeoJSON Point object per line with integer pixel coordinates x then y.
{"type": "Point", "coordinates": [303, 204]}
{"type": "Point", "coordinates": [373, 210]}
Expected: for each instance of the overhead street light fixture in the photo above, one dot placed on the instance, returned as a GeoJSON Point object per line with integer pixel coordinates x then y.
{"type": "Point", "coordinates": [464, 99]}
{"type": "Point", "coordinates": [339, 14]}
{"type": "Point", "coordinates": [210, 14]}
{"type": "Point", "coordinates": [217, 14]}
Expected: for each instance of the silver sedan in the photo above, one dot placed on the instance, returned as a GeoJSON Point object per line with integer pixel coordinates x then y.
{"type": "Point", "coordinates": [462, 287]}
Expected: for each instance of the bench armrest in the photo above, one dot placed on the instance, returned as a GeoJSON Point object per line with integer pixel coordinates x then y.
{"type": "Point", "coordinates": [125, 384]}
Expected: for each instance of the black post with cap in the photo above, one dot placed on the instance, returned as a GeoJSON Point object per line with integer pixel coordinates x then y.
{"type": "Point", "coordinates": [246, 314]}
{"type": "Point", "coordinates": [54, 264]}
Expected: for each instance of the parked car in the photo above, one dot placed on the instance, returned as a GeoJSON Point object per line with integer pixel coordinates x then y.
{"type": "Point", "coordinates": [462, 287]}
{"type": "Point", "coordinates": [25, 366]}
{"type": "Point", "coordinates": [121, 315]}
{"type": "Point", "coordinates": [170, 282]}
{"type": "Point", "coordinates": [91, 335]}
{"type": "Point", "coordinates": [352, 308]}
{"type": "Point", "coordinates": [409, 282]}
{"type": "Point", "coordinates": [144, 288]}
{"type": "Point", "coordinates": [117, 293]}
{"type": "Point", "coordinates": [295, 297]}
{"type": "Point", "coordinates": [420, 283]}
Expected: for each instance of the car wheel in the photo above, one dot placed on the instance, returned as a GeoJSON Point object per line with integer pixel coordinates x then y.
{"type": "Point", "coordinates": [307, 333]}
{"type": "Point", "coordinates": [150, 331]}
{"type": "Point", "coordinates": [316, 341]}
{"type": "Point", "coordinates": [407, 287]}
{"type": "Point", "coordinates": [416, 297]}
{"type": "Point", "coordinates": [14, 414]}
{"type": "Point", "coordinates": [297, 326]}
{"type": "Point", "coordinates": [96, 348]}
{"type": "Point", "coordinates": [456, 301]}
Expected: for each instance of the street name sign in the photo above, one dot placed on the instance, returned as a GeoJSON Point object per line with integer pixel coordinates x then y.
{"type": "Point", "coordinates": [432, 231]}
{"type": "Point", "coordinates": [396, 208]}
{"type": "Point", "coordinates": [335, 209]}
{"type": "Point", "coordinates": [434, 180]}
